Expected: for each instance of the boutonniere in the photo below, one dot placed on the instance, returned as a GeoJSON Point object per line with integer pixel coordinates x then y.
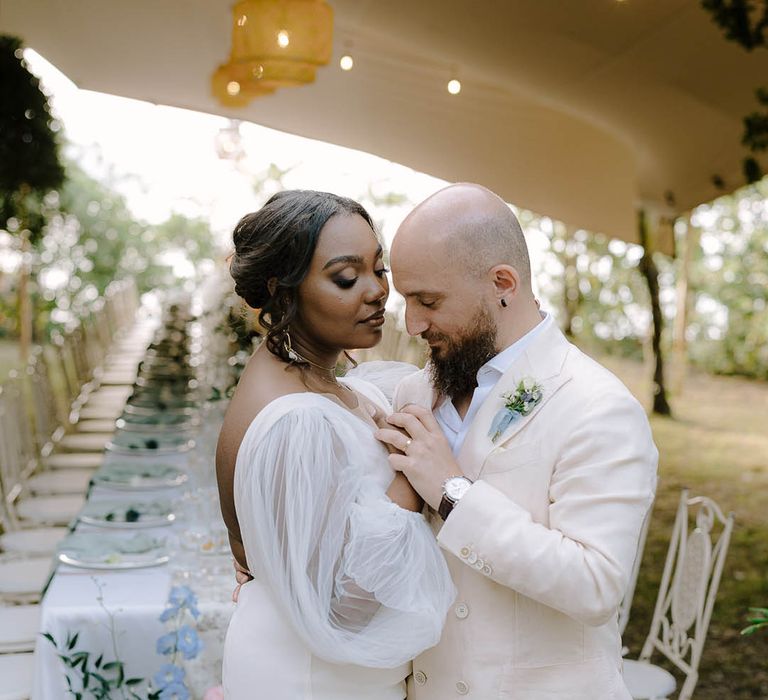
{"type": "Point", "coordinates": [520, 402]}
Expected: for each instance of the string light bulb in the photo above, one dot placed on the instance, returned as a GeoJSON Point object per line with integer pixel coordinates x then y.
{"type": "Point", "coordinates": [346, 62]}
{"type": "Point", "coordinates": [233, 88]}
{"type": "Point", "coordinates": [454, 86]}
{"type": "Point", "coordinates": [283, 39]}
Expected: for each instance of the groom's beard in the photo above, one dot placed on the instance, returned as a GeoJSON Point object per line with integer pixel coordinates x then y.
{"type": "Point", "coordinates": [453, 370]}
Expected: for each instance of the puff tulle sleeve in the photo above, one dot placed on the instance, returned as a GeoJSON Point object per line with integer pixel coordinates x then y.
{"type": "Point", "coordinates": [362, 580]}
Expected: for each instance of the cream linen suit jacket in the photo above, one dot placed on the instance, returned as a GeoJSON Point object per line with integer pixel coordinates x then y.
{"type": "Point", "coordinates": [541, 546]}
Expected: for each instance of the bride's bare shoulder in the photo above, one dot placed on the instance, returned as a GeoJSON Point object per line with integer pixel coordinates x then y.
{"type": "Point", "coordinates": [263, 380]}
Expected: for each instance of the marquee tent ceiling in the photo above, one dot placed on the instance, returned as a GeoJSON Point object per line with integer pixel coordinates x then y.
{"type": "Point", "coordinates": [581, 110]}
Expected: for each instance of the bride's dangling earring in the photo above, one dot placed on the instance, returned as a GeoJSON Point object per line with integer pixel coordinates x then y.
{"type": "Point", "coordinates": [289, 351]}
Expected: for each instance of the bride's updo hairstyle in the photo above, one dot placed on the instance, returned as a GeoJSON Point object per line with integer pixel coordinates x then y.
{"type": "Point", "coordinates": [277, 243]}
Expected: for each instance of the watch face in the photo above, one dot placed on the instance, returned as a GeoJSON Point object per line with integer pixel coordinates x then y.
{"type": "Point", "coordinates": [456, 487]}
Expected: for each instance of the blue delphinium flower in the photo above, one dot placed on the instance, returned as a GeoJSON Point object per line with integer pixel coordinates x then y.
{"type": "Point", "coordinates": [169, 675]}
{"type": "Point", "coordinates": [188, 642]}
{"type": "Point", "coordinates": [180, 597]}
{"type": "Point", "coordinates": [169, 614]}
{"type": "Point", "coordinates": [174, 691]}
{"type": "Point", "coordinates": [167, 644]}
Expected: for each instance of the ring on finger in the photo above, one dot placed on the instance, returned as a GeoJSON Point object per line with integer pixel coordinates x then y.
{"type": "Point", "coordinates": [407, 444]}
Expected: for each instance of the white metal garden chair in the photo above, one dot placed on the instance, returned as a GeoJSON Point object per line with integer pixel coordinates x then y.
{"type": "Point", "coordinates": [20, 510]}
{"type": "Point", "coordinates": [684, 604]}
{"type": "Point", "coordinates": [23, 579]}
{"type": "Point", "coordinates": [52, 419]}
{"type": "Point", "coordinates": [21, 449]}
{"type": "Point", "coordinates": [16, 672]}
{"type": "Point", "coordinates": [19, 627]}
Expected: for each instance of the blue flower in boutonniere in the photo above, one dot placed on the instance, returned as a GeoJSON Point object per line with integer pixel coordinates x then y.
{"type": "Point", "coordinates": [520, 402]}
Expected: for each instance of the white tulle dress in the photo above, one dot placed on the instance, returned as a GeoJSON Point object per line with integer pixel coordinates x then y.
{"type": "Point", "coordinates": [348, 587]}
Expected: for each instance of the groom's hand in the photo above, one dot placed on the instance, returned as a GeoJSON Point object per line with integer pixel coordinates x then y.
{"type": "Point", "coordinates": [424, 455]}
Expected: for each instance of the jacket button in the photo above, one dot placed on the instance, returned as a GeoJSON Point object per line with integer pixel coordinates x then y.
{"type": "Point", "coordinates": [420, 677]}
{"type": "Point", "coordinates": [462, 688]}
{"type": "Point", "coordinates": [472, 557]}
{"type": "Point", "coordinates": [479, 564]}
{"type": "Point", "coordinates": [461, 610]}
{"type": "Point", "coordinates": [487, 570]}
{"type": "Point", "coordinates": [464, 551]}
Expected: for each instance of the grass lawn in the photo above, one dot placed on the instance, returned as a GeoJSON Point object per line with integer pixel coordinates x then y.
{"type": "Point", "coordinates": [717, 446]}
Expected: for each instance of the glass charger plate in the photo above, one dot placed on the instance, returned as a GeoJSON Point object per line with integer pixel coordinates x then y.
{"type": "Point", "coordinates": [118, 515]}
{"type": "Point", "coordinates": [157, 422]}
{"type": "Point", "coordinates": [135, 442]}
{"type": "Point", "coordinates": [157, 403]}
{"type": "Point", "coordinates": [138, 479]}
{"type": "Point", "coordinates": [125, 562]}
{"type": "Point", "coordinates": [149, 411]}
{"type": "Point", "coordinates": [116, 551]}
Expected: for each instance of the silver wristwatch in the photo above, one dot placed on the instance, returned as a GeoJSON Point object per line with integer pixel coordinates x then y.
{"type": "Point", "coordinates": [454, 487]}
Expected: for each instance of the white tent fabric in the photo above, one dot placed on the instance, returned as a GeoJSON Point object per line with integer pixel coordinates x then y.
{"type": "Point", "coordinates": [580, 110]}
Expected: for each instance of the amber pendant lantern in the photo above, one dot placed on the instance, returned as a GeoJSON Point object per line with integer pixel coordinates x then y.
{"type": "Point", "coordinates": [275, 43]}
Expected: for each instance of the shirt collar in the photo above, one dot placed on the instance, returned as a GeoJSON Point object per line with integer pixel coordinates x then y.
{"type": "Point", "coordinates": [490, 372]}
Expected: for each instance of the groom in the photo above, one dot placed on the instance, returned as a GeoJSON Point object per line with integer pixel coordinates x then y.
{"type": "Point", "coordinates": [537, 465]}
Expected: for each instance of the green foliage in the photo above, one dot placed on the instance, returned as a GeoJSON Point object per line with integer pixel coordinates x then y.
{"type": "Point", "coordinates": [756, 136]}
{"type": "Point", "coordinates": [28, 149]}
{"type": "Point", "coordinates": [745, 22]}
{"type": "Point", "coordinates": [93, 678]}
{"type": "Point", "coordinates": [742, 21]}
{"type": "Point", "coordinates": [594, 287]}
{"type": "Point", "coordinates": [759, 620]}
{"type": "Point", "coordinates": [29, 157]}
{"type": "Point", "coordinates": [728, 326]}
{"type": "Point", "coordinates": [92, 238]}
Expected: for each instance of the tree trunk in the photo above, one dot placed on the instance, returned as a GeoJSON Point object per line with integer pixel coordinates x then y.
{"type": "Point", "coordinates": [571, 293]}
{"type": "Point", "coordinates": [679, 342]}
{"type": "Point", "coordinates": [651, 274]}
{"type": "Point", "coordinates": [24, 299]}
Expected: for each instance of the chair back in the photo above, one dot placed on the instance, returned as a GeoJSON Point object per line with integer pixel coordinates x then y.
{"type": "Point", "coordinates": [100, 329]}
{"type": "Point", "coordinates": [626, 602]}
{"type": "Point", "coordinates": [689, 584]}
{"type": "Point", "coordinates": [66, 367]}
{"type": "Point", "coordinates": [22, 422]}
{"type": "Point", "coordinates": [12, 465]}
{"type": "Point", "coordinates": [49, 424]}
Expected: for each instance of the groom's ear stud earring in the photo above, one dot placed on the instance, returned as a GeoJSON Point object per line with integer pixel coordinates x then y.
{"type": "Point", "coordinates": [504, 303]}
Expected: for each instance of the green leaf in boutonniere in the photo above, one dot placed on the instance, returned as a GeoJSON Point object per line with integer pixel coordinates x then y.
{"type": "Point", "coordinates": [520, 402]}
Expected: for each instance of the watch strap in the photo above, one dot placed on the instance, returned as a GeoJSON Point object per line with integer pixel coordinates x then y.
{"type": "Point", "coordinates": [445, 507]}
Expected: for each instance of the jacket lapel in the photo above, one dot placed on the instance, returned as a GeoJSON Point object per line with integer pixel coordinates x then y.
{"type": "Point", "coordinates": [542, 361]}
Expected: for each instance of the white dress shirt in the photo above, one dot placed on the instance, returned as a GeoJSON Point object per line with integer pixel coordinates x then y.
{"type": "Point", "coordinates": [488, 375]}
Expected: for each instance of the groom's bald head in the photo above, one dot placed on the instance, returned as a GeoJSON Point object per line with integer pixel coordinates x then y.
{"type": "Point", "coordinates": [465, 227]}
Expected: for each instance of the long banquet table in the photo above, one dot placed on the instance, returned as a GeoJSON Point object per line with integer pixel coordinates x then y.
{"type": "Point", "coordinates": [115, 613]}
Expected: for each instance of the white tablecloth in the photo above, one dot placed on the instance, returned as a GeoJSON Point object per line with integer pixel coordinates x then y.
{"type": "Point", "coordinates": [135, 599]}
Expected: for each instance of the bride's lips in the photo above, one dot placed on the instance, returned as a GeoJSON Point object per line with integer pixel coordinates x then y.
{"type": "Point", "coordinates": [374, 320]}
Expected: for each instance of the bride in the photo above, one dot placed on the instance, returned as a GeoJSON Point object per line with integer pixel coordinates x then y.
{"type": "Point", "coordinates": [348, 582]}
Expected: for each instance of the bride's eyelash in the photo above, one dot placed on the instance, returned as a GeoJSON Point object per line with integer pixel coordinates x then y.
{"type": "Point", "coordinates": [348, 284]}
